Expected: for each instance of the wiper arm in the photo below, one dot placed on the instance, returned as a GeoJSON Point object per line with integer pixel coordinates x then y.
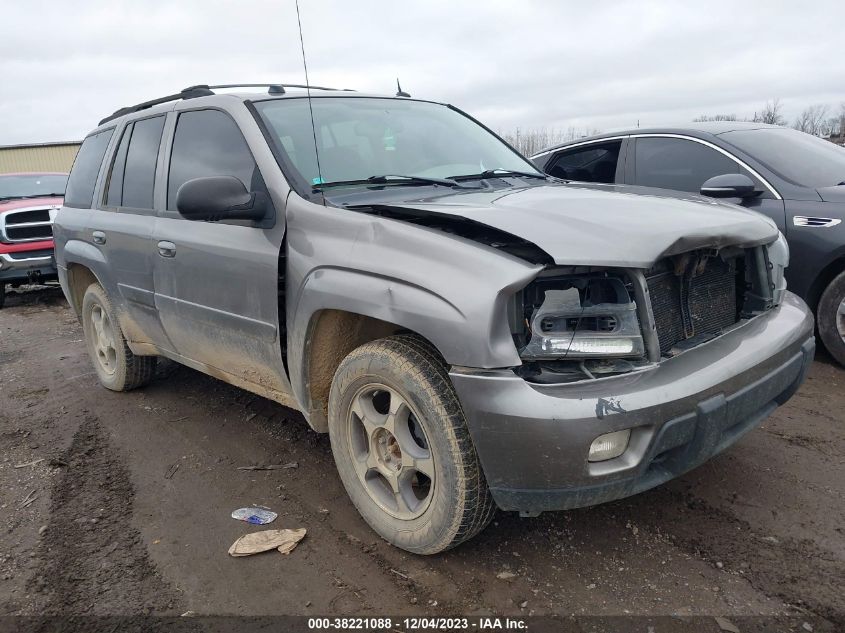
{"type": "Point", "coordinates": [389, 179]}
{"type": "Point", "coordinates": [495, 173]}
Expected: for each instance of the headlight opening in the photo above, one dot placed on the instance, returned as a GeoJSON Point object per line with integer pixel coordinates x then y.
{"type": "Point", "coordinates": [580, 317]}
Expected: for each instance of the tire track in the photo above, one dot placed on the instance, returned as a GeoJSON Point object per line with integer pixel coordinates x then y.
{"type": "Point", "coordinates": [92, 561]}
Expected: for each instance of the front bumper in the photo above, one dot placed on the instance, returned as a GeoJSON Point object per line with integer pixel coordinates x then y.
{"type": "Point", "coordinates": [533, 440]}
{"type": "Point", "coordinates": [26, 266]}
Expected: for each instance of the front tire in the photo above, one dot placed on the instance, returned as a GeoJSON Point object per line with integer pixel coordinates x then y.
{"type": "Point", "coordinates": [402, 447]}
{"type": "Point", "coordinates": [117, 367]}
{"type": "Point", "coordinates": [830, 318]}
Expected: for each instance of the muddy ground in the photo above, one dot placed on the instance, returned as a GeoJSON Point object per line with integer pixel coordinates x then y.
{"type": "Point", "coordinates": [131, 495]}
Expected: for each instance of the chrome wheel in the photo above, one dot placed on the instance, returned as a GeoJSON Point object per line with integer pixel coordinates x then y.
{"type": "Point", "coordinates": [840, 319]}
{"type": "Point", "coordinates": [101, 333]}
{"type": "Point", "coordinates": [390, 451]}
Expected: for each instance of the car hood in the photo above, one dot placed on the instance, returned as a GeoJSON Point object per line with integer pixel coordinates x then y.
{"type": "Point", "coordinates": [832, 194]}
{"type": "Point", "coordinates": [596, 225]}
{"type": "Point", "coordinates": [23, 203]}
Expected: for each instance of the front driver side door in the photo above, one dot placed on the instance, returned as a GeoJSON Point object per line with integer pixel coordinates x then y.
{"type": "Point", "coordinates": [217, 285]}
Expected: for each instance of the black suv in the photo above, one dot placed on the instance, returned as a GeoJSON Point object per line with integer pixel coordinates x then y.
{"type": "Point", "coordinates": [794, 178]}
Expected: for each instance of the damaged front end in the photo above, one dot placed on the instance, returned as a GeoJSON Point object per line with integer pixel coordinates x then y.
{"type": "Point", "coordinates": [582, 323]}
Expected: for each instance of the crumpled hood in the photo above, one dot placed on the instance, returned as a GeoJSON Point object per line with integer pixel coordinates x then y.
{"type": "Point", "coordinates": [602, 225]}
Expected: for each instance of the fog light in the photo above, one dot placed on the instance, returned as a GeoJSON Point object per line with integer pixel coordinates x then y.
{"type": "Point", "coordinates": [609, 445]}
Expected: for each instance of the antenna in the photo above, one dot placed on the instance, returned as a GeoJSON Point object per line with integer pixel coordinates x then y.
{"type": "Point", "coordinates": [310, 109]}
{"type": "Point", "coordinates": [399, 92]}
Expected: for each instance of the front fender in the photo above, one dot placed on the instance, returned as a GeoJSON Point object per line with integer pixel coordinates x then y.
{"type": "Point", "coordinates": [449, 289]}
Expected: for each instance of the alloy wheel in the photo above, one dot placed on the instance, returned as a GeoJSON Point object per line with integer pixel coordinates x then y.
{"type": "Point", "coordinates": [390, 451]}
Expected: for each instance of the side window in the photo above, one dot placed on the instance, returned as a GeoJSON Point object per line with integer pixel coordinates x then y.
{"type": "Point", "coordinates": [587, 163]}
{"type": "Point", "coordinates": [83, 176]}
{"type": "Point", "coordinates": [209, 143]}
{"type": "Point", "coordinates": [133, 172]}
{"type": "Point", "coordinates": [114, 188]}
{"type": "Point", "coordinates": [678, 164]}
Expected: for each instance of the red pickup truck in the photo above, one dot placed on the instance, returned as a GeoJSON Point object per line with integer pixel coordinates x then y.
{"type": "Point", "coordinates": [28, 205]}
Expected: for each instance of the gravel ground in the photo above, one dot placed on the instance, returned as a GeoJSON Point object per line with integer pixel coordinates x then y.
{"type": "Point", "coordinates": [118, 504]}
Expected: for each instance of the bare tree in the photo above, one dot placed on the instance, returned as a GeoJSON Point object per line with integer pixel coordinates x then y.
{"type": "Point", "coordinates": [714, 117]}
{"type": "Point", "coordinates": [771, 113]}
{"type": "Point", "coordinates": [813, 120]}
{"type": "Point", "coordinates": [529, 142]}
{"type": "Point", "coordinates": [836, 123]}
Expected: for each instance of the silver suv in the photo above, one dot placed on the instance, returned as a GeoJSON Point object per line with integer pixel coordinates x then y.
{"type": "Point", "coordinates": [470, 332]}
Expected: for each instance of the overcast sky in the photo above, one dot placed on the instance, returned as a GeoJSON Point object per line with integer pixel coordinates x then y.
{"type": "Point", "coordinates": [597, 65]}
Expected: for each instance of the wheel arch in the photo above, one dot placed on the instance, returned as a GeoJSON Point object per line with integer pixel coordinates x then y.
{"type": "Point", "coordinates": [823, 279]}
{"type": "Point", "coordinates": [79, 277]}
{"type": "Point", "coordinates": [331, 335]}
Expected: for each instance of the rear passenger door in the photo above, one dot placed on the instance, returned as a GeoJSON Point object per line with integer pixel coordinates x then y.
{"type": "Point", "coordinates": [122, 225]}
{"type": "Point", "coordinates": [685, 164]}
{"type": "Point", "coordinates": [601, 161]}
{"type": "Point", "coordinates": [217, 283]}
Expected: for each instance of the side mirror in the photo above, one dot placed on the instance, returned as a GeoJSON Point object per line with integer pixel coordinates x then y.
{"type": "Point", "coordinates": [729, 186]}
{"type": "Point", "coordinates": [219, 198]}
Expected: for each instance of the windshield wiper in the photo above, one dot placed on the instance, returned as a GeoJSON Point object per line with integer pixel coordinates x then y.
{"type": "Point", "coordinates": [390, 179]}
{"type": "Point", "coordinates": [497, 173]}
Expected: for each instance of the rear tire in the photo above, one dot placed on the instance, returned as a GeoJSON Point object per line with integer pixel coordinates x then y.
{"type": "Point", "coordinates": [2, 295]}
{"type": "Point", "coordinates": [402, 447]}
{"type": "Point", "coordinates": [830, 318]}
{"type": "Point", "coordinates": [117, 367]}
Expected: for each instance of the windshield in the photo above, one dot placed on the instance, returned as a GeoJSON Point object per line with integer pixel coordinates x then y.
{"type": "Point", "coordinates": [362, 137]}
{"type": "Point", "coordinates": [794, 156]}
{"type": "Point", "coordinates": [32, 185]}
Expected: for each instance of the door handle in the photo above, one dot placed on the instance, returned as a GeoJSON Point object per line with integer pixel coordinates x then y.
{"type": "Point", "coordinates": [167, 249]}
{"type": "Point", "coordinates": [99, 237]}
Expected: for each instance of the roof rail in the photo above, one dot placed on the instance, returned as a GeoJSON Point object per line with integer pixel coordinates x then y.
{"type": "Point", "coordinates": [188, 93]}
{"type": "Point", "coordinates": [203, 90]}
{"type": "Point", "coordinates": [273, 89]}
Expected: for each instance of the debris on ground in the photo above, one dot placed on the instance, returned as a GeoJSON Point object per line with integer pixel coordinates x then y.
{"type": "Point", "coordinates": [726, 625]}
{"type": "Point", "coordinates": [257, 542]}
{"type": "Point", "coordinates": [257, 515]}
{"type": "Point", "coordinates": [172, 470]}
{"type": "Point", "coordinates": [505, 575]}
{"type": "Point", "coordinates": [32, 496]}
{"type": "Point", "coordinates": [270, 466]}
{"type": "Point", "coordinates": [400, 574]}
{"type": "Point", "coordinates": [32, 463]}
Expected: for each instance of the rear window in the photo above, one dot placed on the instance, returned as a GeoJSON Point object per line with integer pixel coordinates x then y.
{"type": "Point", "coordinates": [83, 176]}
{"type": "Point", "coordinates": [800, 158]}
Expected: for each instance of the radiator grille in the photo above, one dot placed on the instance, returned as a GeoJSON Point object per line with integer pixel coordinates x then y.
{"type": "Point", "coordinates": [26, 225]}
{"type": "Point", "coordinates": [690, 305]}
